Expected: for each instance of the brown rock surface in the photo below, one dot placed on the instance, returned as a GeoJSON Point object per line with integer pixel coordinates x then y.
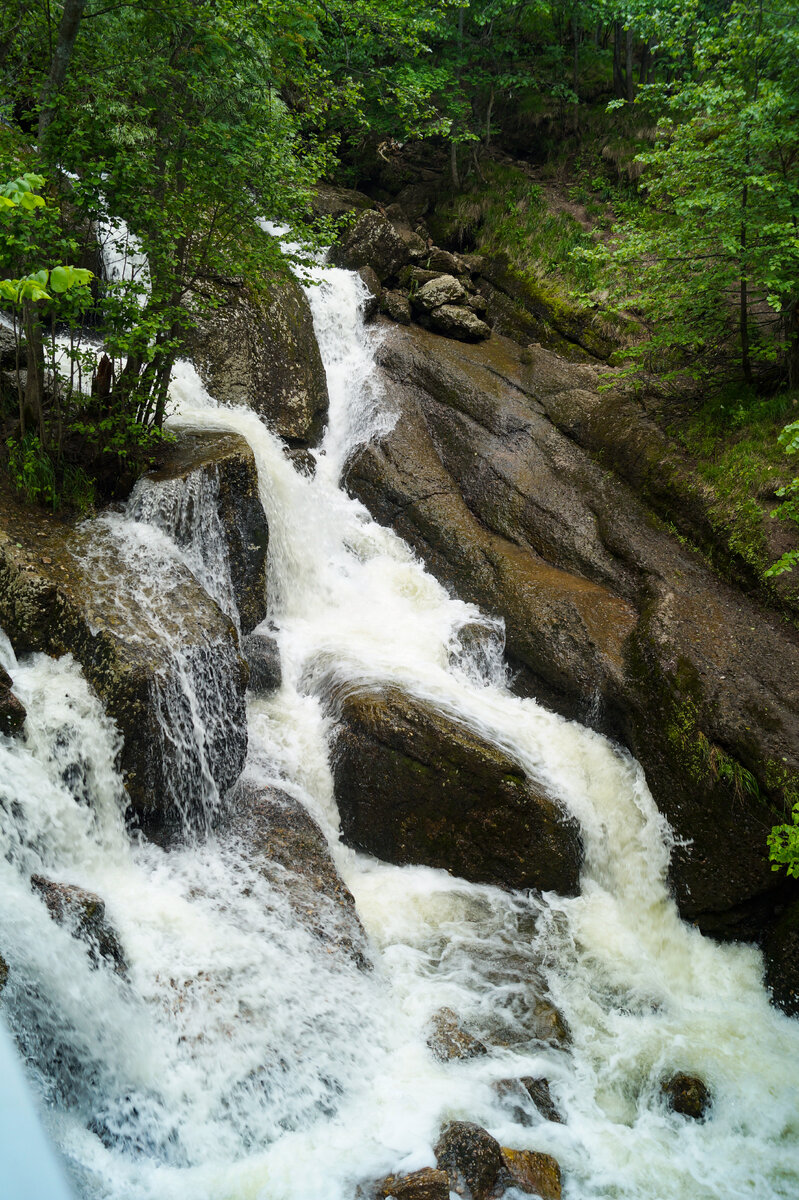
{"type": "Point", "coordinates": [616, 623]}
{"type": "Point", "coordinates": [531, 1172]}
{"type": "Point", "coordinates": [415, 786]}
{"type": "Point", "coordinates": [258, 348]}
{"type": "Point", "coordinates": [448, 1039]}
{"type": "Point", "coordinates": [427, 1184]}
{"type": "Point", "coordinates": [471, 1157]}
{"type": "Point", "coordinates": [279, 838]}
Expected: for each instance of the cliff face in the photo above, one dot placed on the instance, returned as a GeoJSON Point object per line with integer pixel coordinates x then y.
{"type": "Point", "coordinates": [610, 618]}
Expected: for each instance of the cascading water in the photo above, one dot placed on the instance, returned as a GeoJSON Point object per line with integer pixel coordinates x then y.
{"type": "Point", "coordinates": [240, 1060]}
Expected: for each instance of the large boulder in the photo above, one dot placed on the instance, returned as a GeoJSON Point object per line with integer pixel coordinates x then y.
{"type": "Point", "coordinates": [612, 619]}
{"type": "Point", "coordinates": [372, 242]}
{"type": "Point", "coordinates": [83, 913]}
{"type": "Point", "coordinates": [257, 347]}
{"type": "Point", "coordinates": [151, 642]}
{"type": "Point", "coordinates": [472, 1159]}
{"type": "Point", "coordinates": [277, 836]}
{"type": "Point", "coordinates": [172, 496]}
{"type": "Point", "coordinates": [458, 321]}
{"type": "Point", "coordinates": [416, 786]}
{"type": "Point", "coordinates": [443, 289]}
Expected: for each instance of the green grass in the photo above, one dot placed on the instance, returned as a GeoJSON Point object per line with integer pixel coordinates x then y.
{"type": "Point", "coordinates": [733, 439]}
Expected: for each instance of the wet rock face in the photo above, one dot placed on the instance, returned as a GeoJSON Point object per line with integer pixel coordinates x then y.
{"type": "Point", "coordinates": [84, 914]}
{"type": "Point", "coordinates": [531, 1172]}
{"type": "Point", "coordinates": [687, 1095]}
{"type": "Point", "coordinates": [613, 621]}
{"type": "Point", "coordinates": [372, 242]}
{"type": "Point", "coordinates": [141, 636]}
{"type": "Point", "coordinates": [414, 786]}
{"type": "Point", "coordinates": [427, 1184]}
{"type": "Point", "coordinates": [263, 659]}
{"type": "Point", "coordinates": [448, 1039]}
{"type": "Point", "coordinates": [782, 961]}
{"type": "Point", "coordinates": [259, 349]}
{"type": "Point", "coordinates": [3, 974]}
{"type": "Point", "coordinates": [280, 839]}
{"type": "Point", "coordinates": [472, 1159]}
{"type": "Point", "coordinates": [227, 459]}
{"type": "Point", "coordinates": [12, 710]}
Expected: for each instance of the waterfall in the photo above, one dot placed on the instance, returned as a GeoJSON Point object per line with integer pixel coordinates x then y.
{"type": "Point", "coordinates": [238, 1059]}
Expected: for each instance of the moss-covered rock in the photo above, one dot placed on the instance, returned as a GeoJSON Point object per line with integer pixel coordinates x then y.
{"type": "Point", "coordinates": [415, 786]}
{"type": "Point", "coordinates": [258, 348]}
{"type": "Point", "coordinates": [226, 460]}
{"type": "Point", "coordinates": [532, 1172]}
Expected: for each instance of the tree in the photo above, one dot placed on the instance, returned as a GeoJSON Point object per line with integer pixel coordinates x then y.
{"type": "Point", "coordinates": [717, 241]}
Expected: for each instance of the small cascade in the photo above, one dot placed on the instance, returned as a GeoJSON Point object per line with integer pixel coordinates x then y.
{"type": "Point", "coordinates": [187, 511]}
{"type": "Point", "coordinates": [238, 1058]}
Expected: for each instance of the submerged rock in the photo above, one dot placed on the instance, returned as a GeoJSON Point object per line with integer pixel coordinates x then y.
{"type": "Point", "coordinates": [532, 1172]}
{"type": "Point", "coordinates": [83, 913]}
{"type": "Point", "coordinates": [416, 786]}
{"type": "Point", "coordinates": [258, 348]}
{"type": "Point", "coordinates": [145, 634]}
{"type": "Point", "coordinates": [12, 710]}
{"type": "Point", "coordinates": [227, 461]}
{"type": "Point", "coordinates": [263, 659]}
{"type": "Point", "coordinates": [448, 1039]}
{"type": "Point", "coordinates": [472, 1159]}
{"type": "Point", "coordinates": [278, 837]}
{"type": "Point", "coordinates": [687, 1095]}
{"type": "Point", "coordinates": [516, 1095]}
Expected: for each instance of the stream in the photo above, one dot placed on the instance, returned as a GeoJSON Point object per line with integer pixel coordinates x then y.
{"type": "Point", "coordinates": [240, 1060]}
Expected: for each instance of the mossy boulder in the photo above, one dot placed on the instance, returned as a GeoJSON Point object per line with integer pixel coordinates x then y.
{"type": "Point", "coordinates": [226, 460]}
{"type": "Point", "coordinates": [278, 837]}
{"type": "Point", "coordinates": [415, 786]}
{"type": "Point", "coordinates": [532, 1172]}
{"type": "Point", "coordinates": [143, 630]}
{"type": "Point", "coordinates": [257, 348]}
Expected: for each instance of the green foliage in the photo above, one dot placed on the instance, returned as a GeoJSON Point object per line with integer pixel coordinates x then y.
{"type": "Point", "coordinates": [783, 844]}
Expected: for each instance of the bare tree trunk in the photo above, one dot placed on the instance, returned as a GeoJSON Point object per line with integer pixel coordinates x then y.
{"type": "Point", "coordinates": [65, 44]}
{"type": "Point", "coordinates": [618, 79]}
{"type": "Point", "coordinates": [33, 405]}
{"type": "Point", "coordinates": [453, 166]}
{"type": "Point", "coordinates": [792, 339]}
{"type": "Point", "coordinates": [489, 113]}
{"type": "Point", "coordinates": [743, 310]}
{"type": "Point", "coordinates": [646, 60]}
{"type": "Point", "coordinates": [629, 67]}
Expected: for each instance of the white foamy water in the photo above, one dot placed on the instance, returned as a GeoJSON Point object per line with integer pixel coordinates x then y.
{"type": "Point", "coordinates": [240, 1060]}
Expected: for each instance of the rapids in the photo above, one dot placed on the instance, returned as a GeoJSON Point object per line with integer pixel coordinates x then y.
{"type": "Point", "coordinates": [239, 1060]}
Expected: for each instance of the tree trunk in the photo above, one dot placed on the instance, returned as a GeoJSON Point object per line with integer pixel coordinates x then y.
{"type": "Point", "coordinates": [646, 59]}
{"type": "Point", "coordinates": [65, 44]}
{"type": "Point", "coordinates": [629, 67]}
{"type": "Point", "coordinates": [33, 405]}
{"type": "Point", "coordinates": [791, 317]}
{"type": "Point", "coordinates": [743, 310]}
{"type": "Point", "coordinates": [453, 165]}
{"type": "Point", "coordinates": [618, 79]}
{"type": "Point", "coordinates": [488, 117]}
